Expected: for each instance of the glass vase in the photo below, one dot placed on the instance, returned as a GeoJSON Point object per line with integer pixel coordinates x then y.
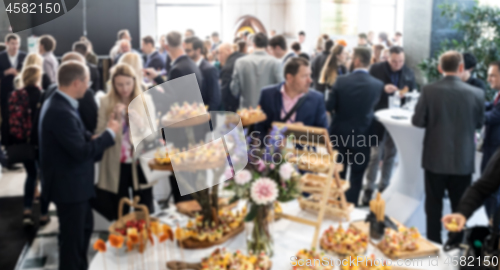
{"type": "Point", "coordinates": [258, 230]}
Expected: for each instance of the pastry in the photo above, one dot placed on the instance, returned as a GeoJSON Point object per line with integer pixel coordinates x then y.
{"type": "Point", "coordinates": [310, 260]}
{"type": "Point", "coordinates": [395, 242]}
{"type": "Point", "coordinates": [350, 241]}
{"type": "Point", "coordinates": [179, 113]}
{"type": "Point", "coordinates": [221, 259]}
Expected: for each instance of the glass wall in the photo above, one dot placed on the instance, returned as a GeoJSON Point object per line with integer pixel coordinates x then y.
{"type": "Point", "coordinates": [180, 15]}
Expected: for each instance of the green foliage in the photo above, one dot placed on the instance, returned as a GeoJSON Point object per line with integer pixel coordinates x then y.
{"type": "Point", "coordinates": [480, 28]}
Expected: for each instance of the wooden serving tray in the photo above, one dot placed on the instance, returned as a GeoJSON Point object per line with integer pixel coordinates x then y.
{"type": "Point", "coordinates": [425, 249]}
{"type": "Point", "coordinates": [320, 181]}
{"type": "Point", "coordinates": [195, 244]}
{"type": "Point", "coordinates": [190, 208]}
{"type": "Point", "coordinates": [332, 211]}
{"type": "Point", "coordinates": [188, 122]}
{"type": "Point", "coordinates": [153, 165]}
{"type": "Point", "coordinates": [247, 121]}
{"type": "Point", "coordinates": [177, 265]}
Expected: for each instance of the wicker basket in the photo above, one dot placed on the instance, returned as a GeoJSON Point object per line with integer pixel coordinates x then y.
{"type": "Point", "coordinates": [141, 213]}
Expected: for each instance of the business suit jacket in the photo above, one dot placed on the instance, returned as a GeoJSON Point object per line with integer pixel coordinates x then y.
{"type": "Point", "coordinates": [7, 82]}
{"type": "Point", "coordinates": [229, 102]}
{"type": "Point", "coordinates": [95, 77]}
{"type": "Point", "coordinates": [252, 73]}
{"type": "Point", "coordinates": [487, 185]}
{"type": "Point", "coordinates": [210, 90]}
{"type": "Point", "coordinates": [492, 128]}
{"type": "Point", "coordinates": [311, 113]}
{"type": "Point", "coordinates": [352, 103]}
{"type": "Point", "coordinates": [450, 111]}
{"type": "Point", "coordinates": [155, 60]}
{"type": "Point", "coordinates": [382, 71]}
{"type": "Point", "coordinates": [68, 153]}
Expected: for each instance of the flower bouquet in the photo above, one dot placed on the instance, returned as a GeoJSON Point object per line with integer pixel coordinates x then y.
{"type": "Point", "coordinates": [267, 178]}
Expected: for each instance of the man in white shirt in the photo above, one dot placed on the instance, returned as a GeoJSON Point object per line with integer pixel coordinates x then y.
{"type": "Point", "coordinates": [46, 47]}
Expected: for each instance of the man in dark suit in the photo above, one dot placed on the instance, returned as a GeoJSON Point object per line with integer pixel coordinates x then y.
{"type": "Point", "coordinates": [210, 89]}
{"type": "Point", "coordinates": [352, 102]}
{"type": "Point", "coordinates": [11, 63]}
{"type": "Point", "coordinates": [319, 61]}
{"type": "Point", "coordinates": [82, 48]}
{"type": "Point", "coordinates": [450, 110]}
{"type": "Point", "coordinates": [153, 59]}
{"type": "Point", "coordinates": [181, 65]}
{"type": "Point", "coordinates": [395, 75]}
{"type": "Point", "coordinates": [491, 141]}
{"type": "Point", "coordinates": [227, 58]}
{"type": "Point", "coordinates": [67, 155]}
{"type": "Point", "coordinates": [292, 99]}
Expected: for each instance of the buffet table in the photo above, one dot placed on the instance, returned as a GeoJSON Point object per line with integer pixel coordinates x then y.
{"type": "Point", "coordinates": [289, 237]}
{"type": "Point", "coordinates": [407, 183]}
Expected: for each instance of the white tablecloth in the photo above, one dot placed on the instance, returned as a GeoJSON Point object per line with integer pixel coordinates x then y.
{"type": "Point", "coordinates": [407, 182]}
{"type": "Point", "coordinates": [289, 237]}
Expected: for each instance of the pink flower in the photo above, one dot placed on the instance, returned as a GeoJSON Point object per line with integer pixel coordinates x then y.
{"type": "Point", "coordinates": [229, 173]}
{"type": "Point", "coordinates": [243, 177]}
{"type": "Point", "coordinates": [272, 166]}
{"type": "Point", "coordinates": [261, 165]}
{"type": "Point", "coordinates": [286, 171]}
{"type": "Point", "coordinates": [264, 191]}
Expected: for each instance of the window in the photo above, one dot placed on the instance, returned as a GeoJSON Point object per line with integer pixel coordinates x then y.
{"type": "Point", "coordinates": [339, 17]}
{"type": "Point", "coordinates": [203, 16]}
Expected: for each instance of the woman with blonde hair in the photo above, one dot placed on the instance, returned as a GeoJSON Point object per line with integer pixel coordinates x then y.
{"type": "Point", "coordinates": [37, 60]}
{"type": "Point", "coordinates": [333, 67]}
{"type": "Point", "coordinates": [23, 105]}
{"type": "Point", "coordinates": [135, 61]}
{"type": "Point", "coordinates": [119, 170]}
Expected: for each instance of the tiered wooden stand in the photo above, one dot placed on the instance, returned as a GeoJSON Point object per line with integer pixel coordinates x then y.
{"type": "Point", "coordinates": [332, 201]}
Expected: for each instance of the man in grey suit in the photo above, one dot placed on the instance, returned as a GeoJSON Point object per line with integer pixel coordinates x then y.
{"type": "Point", "coordinates": [255, 71]}
{"type": "Point", "coordinates": [450, 111]}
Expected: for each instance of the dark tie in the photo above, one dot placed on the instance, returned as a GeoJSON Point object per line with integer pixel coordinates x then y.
{"type": "Point", "coordinates": [496, 100]}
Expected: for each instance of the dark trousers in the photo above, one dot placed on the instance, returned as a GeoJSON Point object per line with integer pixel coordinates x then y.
{"type": "Point", "coordinates": [30, 186]}
{"type": "Point", "coordinates": [435, 186]}
{"type": "Point", "coordinates": [107, 203]}
{"type": "Point", "coordinates": [493, 201]}
{"type": "Point", "coordinates": [357, 158]}
{"type": "Point", "coordinates": [75, 227]}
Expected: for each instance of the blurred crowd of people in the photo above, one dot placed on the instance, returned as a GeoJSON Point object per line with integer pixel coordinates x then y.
{"type": "Point", "coordinates": [59, 117]}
